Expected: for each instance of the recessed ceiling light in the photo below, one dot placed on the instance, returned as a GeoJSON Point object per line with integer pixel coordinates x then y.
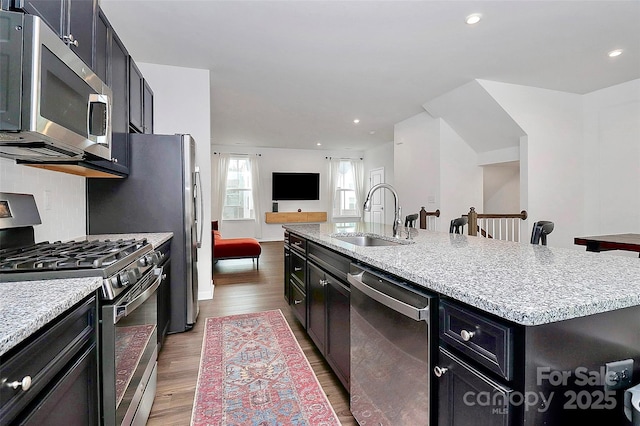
{"type": "Point", "coordinates": [473, 18]}
{"type": "Point", "coordinates": [615, 53]}
{"type": "Point", "coordinates": [356, 121]}
{"type": "Point", "coordinates": [373, 132]}
{"type": "Point", "coordinates": [318, 143]}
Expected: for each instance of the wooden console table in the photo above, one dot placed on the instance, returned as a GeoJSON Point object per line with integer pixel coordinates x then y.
{"type": "Point", "coordinates": [295, 217]}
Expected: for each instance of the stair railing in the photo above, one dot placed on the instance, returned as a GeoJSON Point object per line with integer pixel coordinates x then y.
{"type": "Point", "coordinates": [499, 226]}
{"type": "Point", "coordinates": [429, 220]}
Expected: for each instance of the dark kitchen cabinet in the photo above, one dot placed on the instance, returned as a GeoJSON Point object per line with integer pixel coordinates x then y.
{"type": "Point", "coordinates": [52, 12]}
{"type": "Point", "coordinates": [287, 269]}
{"type": "Point", "coordinates": [72, 20]}
{"type": "Point", "coordinates": [52, 377]}
{"type": "Point", "coordinates": [119, 83]}
{"type": "Point", "coordinates": [316, 309]}
{"type": "Point", "coordinates": [147, 108]}
{"type": "Point", "coordinates": [297, 283]}
{"type": "Point", "coordinates": [164, 294]}
{"type": "Point", "coordinates": [337, 350]}
{"type": "Point", "coordinates": [82, 15]}
{"type": "Point", "coordinates": [136, 97]}
{"type": "Point", "coordinates": [463, 394]}
{"type": "Point", "coordinates": [140, 101]}
{"type": "Point", "coordinates": [295, 267]}
{"type": "Point", "coordinates": [328, 297]}
{"type": "Point", "coordinates": [102, 45]}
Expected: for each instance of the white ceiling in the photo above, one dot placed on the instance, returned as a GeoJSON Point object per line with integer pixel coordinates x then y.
{"type": "Point", "coordinates": [294, 73]}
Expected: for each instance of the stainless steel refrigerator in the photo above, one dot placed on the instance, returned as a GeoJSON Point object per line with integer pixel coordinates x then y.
{"type": "Point", "coordinates": [162, 193]}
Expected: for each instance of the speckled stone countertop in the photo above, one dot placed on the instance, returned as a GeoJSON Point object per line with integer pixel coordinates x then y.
{"type": "Point", "coordinates": [24, 310]}
{"type": "Point", "coordinates": [155, 239]}
{"type": "Point", "coordinates": [29, 305]}
{"type": "Point", "coordinates": [524, 283]}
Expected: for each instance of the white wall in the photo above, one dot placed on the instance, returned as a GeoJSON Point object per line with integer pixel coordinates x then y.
{"type": "Point", "coordinates": [612, 160]}
{"type": "Point", "coordinates": [501, 188]}
{"type": "Point", "coordinates": [417, 164]}
{"type": "Point", "coordinates": [381, 156]}
{"type": "Point", "coordinates": [279, 160]}
{"type": "Point", "coordinates": [554, 175]}
{"type": "Point", "coordinates": [435, 168]}
{"type": "Point", "coordinates": [182, 105]}
{"type": "Point", "coordinates": [62, 209]}
{"type": "Point", "coordinates": [460, 177]}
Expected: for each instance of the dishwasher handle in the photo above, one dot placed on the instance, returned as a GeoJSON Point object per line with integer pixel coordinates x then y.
{"type": "Point", "coordinates": [417, 314]}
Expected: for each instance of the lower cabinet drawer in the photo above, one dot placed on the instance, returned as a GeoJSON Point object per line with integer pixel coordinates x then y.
{"type": "Point", "coordinates": [298, 266]}
{"type": "Point", "coordinates": [484, 340]}
{"type": "Point", "coordinates": [44, 357]}
{"type": "Point", "coordinates": [73, 399]}
{"type": "Point", "coordinates": [298, 303]}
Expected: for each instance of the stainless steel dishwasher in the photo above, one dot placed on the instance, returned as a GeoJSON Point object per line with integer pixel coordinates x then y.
{"type": "Point", "coordinates": [391, 351]}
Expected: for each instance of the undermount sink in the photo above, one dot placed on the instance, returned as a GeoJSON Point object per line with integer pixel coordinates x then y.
{"type": "Point", "coordinates": [367, 240]}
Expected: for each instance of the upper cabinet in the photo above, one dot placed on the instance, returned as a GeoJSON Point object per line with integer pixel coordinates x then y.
{"type": "Point", "coordinates": [140, 101]}
{"type": "Point", "coordinates": [136, 84]}
{"type": "Point", "coordinates": [147, 108]}
{"type": "Point", "coordinates": [72, 20]}
{"type": "Point", "coordinates": [102, 47]}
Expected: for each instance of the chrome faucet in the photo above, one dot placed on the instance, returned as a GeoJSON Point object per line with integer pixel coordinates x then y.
{"type": "Point", "coordinates": [397, 221]}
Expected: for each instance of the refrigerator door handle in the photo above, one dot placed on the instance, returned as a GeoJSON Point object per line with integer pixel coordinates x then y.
{"type": "Point", "coordinates": [198, 215]}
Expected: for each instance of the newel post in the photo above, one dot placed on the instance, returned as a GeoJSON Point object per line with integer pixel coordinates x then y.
{"type": "Point", "coordinates": [473, 222]}
{"type": "Point", "coordinates": [423, 218]}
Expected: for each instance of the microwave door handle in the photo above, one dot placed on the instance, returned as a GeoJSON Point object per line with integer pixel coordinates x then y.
{"type": "Point", "coordinates": [198, 217]}
{"type": "Point", "coordinates": [101, 99]}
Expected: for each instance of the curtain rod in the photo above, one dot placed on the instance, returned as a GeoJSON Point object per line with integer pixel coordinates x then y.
{"type": "Point", "coordinates": [236, 153]}
{"type": "Point", "coordinates": [343, 158]}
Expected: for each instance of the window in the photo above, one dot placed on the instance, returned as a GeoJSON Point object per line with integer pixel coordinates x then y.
{"type": "Point", "coordinates": [238, 199]}
{"type": "Point", "coordinates": [345, 175]}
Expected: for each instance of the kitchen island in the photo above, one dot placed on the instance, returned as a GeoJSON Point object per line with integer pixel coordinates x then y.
{"type": "Point", "coordinates": [544, 319]}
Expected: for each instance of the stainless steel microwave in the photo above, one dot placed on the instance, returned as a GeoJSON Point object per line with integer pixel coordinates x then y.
{"type": "Point", "coordinates": [52, 105]}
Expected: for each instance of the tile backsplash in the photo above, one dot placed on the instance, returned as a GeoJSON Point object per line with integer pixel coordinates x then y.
{"type": "Point", "coordinates": [60, 198]}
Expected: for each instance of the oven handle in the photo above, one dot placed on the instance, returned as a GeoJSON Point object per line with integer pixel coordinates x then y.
{"type": "Point", "coordinates": [120, 311]}
{"type": "Point", "coordinates": [418, 314]}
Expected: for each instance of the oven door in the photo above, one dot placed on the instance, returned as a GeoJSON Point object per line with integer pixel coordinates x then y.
{"type": "Point", "coordinates": [129, 352]}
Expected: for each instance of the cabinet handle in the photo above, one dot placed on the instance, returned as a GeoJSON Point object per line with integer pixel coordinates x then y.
{"type": "Point", "coordinates": [297, 269]}
{"type": "Point", "coordinates": [439, 371]}
{"type": "Point", "coordinates": [25, 383]}
{"type": "Point", "coordinates": [70, 40]}
{"type": "Point", "coordinates": [466, 335]}
{"type": "Point", "coordinates": [297, 302]}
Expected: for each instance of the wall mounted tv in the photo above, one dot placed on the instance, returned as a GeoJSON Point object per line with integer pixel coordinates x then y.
{"type": "Point", "coordinates": [295, 186]}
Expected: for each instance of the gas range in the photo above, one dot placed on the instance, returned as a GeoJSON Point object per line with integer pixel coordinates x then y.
{"type": "Point", "coordinates": [121, 263]}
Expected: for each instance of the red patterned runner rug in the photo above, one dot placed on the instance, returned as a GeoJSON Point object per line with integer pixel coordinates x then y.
{"type": "Point", "coordinates": [253, 372]}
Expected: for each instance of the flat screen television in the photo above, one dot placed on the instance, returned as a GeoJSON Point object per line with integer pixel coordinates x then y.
{"type": "Point", "coordinates": [295, 186]}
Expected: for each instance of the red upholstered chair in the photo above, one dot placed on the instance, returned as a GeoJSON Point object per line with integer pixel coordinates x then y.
{"type": "Point", "coordinates": [234, 248]}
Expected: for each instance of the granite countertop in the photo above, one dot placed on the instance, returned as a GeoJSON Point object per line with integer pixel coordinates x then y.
{"type": "Point", "coordinates": [524, 283]}
{"type": "Point", "coordinates": [27, 306]}
{"type": "Point", "coordinates": [24, 309]}
{"type": "Point", "coordinates": [154, 238]}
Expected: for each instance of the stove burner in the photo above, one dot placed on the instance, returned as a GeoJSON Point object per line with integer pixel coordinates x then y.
{"type": "Point", "coordinates": [70, 255]}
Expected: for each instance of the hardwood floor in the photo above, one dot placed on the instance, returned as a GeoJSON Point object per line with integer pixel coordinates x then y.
{"type": "Point", "coordinates": [239, 288]}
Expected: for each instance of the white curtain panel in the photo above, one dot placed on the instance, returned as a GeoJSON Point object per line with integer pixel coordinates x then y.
{"type": "Point", "coordinates": [255, 193]}
{"type": "Point", "coordinates": [220, 186]}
